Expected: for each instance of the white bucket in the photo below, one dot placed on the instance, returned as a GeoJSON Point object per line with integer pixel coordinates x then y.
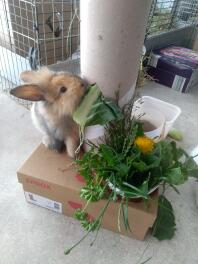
{"type": "Point", "coordinates": [159, 113]}
{"type": "Point", "coordinates": [153, 117]}
{"type": "Point", "coordinates": [93, 134]}
{"type": "Point", "coordinates": [169, 111]}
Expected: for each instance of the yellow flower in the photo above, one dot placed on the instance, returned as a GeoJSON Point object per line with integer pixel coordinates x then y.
{"type": "Point", "coordinates": [145, 144]}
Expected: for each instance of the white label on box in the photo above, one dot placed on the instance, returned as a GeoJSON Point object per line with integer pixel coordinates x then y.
{"type": "Point", "coordinates": [153, 61]}
{"type": "Point", "coordinates": [178, 83]}
{"type": "Point", "coordinates": [43, 202]}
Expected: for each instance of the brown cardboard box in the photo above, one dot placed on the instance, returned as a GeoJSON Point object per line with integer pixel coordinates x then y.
{"type": "Point", "coordinates": [50, 180]}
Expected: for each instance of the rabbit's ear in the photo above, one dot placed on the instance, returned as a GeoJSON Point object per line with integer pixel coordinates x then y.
{"type": "Point", "coordinates": [29, 92]}
{"type": "Point", "coordinates": [39, 76]}
{"type": "Point", "coordinates": [29, 76]}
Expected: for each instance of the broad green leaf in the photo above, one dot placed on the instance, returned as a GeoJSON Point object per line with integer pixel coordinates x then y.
{"type": "Point", "coordinates": [152, 161]}
{"type": "Point", "coordinates": [178, 153]}
{"type": "Point", "coordinates": [191, 167]}
{"type": "Point", "coordinates": [102, 112]}
{"type": "Point", "coordinates": [95, 109]}
{"type": "Point", "coordinates": [80, 115]}
{"type": "Point", "coordinates": [164, 226]}
{"type": "Point", "coordinates": [146, 163]}
{"type": "Point", "coordinates": [140, 165]}
{"type": "Point", "coordinates": [166, 153]}
{"type": "Point", "coordinates": [175, 176]}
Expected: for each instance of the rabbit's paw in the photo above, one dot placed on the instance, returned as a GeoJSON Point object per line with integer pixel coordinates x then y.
{"type": "Point", "coordinates": [53, 144]}
{"type": "Point", "coordinates": [71, 145]}
{"type": "Point", "coordinates": [58, 146]}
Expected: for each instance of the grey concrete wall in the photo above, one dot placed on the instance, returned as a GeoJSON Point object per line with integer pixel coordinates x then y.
{"type": "Point", "coordinates": [183, 37]}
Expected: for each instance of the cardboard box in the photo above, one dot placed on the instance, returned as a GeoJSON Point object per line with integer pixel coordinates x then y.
{"type": "Point", "coordinates": [175, 67]}
{"type": "Point", "coordinates": [50, 180]}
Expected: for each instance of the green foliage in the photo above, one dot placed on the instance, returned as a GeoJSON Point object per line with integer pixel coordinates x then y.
{"type": "Point", "coordinates": [92, 192]}
{"type": "Point", "coordinates": [120, 164]}
{"type": "Point", "coordinates": [81, 113]}
{"type": "Point", "coordinates": [190, 168]}
{"type": "Point", "coordinates": [102, 112]}
{"type": "Point", "coordinates": [124, 208]}
{"type": "Point", "coordinates": [164, 227]}
{"type": "Point", "coordinates": [175, 176]}
{"type": "Point", "coordinates": [95, 109]}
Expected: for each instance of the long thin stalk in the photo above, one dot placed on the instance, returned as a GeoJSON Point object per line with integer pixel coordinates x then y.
{"type": "Point", "coordinates": [100, 217]}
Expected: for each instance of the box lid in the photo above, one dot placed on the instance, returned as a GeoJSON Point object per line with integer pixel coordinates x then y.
{"type": "Point", "coordinates": [179, 55]}
{"type": "Point", "coordinates": [52, 167]}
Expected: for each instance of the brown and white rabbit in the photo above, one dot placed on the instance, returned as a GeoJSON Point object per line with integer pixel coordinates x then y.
{"type": "Point", "coordinates": [57, 95]}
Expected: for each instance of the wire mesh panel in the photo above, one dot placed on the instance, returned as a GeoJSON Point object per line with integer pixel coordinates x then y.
{"type": "Point", "coordinates": [34, 33]}
{"type": "Point", "coordinates": [166, 15]}
{"type": "Point", "coordinates": [187, 12]}
{"type": "Point", "coordinates": [58, 30]}
{"type": "Point", "coordinates": [45, 32]}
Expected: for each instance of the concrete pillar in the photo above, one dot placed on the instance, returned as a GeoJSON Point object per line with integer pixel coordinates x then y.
{"type": "Point", "coordinates": [112, 36]}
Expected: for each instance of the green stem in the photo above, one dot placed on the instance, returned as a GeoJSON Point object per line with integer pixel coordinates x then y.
{"type": "Point", "coordinates": [87, 204]}
{"type": "Point", "coordinates": [100, 217]}
{"type": "Point", "coordinates": [96, 235]}
{"type": "Point", "coordinates": [67, 251]}
{"type": "Point", "coordinates": [119, 213]}
{"type": "Point", "coordinates": [81, 134]}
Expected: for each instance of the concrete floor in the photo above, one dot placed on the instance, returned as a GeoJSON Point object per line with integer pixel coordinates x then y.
{"type": "Point", "coordinates": [33, 235]}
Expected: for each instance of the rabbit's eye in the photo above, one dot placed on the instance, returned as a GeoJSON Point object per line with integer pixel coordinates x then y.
{"type": "Point", "coordinates": [63, 89]}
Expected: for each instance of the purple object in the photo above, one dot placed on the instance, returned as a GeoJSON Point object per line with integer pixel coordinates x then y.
{"type": "Point", "coordinates": [175, 67]}
{"type": "Point", "coordinates": [181, 55]}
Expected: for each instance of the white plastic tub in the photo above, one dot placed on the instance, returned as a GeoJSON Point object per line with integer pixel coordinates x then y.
{"type": "Point", "coordinates": [160, 113]}
{"type": "Point", "coordinates": [146, 114]}
{"type": "Point", "coordinates": [93, 134]}
{"type": "Point", "coordinates": [169, 111]}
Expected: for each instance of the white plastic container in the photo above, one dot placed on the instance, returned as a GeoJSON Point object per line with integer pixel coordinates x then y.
{"type": "Point", "coordinates": [93, 134]}
{"type": "Point", "coordinates": [152, 116]}
{"type": "Point", "coordinates": [159, 113]}
{"type": "Point", "coordinates": [169, 111]}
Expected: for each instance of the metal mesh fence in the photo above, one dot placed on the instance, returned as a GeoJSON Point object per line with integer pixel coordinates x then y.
{"type": "Point", "coordinates": [35, 33]}
{"type": "Point", "coordinates": [167, 15]}
{"type": "Point", "coordinates": [46, 32]}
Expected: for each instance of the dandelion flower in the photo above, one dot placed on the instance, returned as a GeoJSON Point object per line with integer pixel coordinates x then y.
{"type": "Point", "coordinates": [145, 144]}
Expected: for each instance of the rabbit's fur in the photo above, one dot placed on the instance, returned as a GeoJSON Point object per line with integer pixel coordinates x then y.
{"type": "Point", "coordinates": [56, 97]}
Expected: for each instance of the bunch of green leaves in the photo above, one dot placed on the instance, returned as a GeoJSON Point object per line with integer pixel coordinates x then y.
{"type": "Point", "coordinates": [95, 109]}
{"type": "Point", "coordinates": [175, 164]}
{"type": "Point", "coordinates": [165, 165]}
{"type": "Point", "coordinates": [121, 163]}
